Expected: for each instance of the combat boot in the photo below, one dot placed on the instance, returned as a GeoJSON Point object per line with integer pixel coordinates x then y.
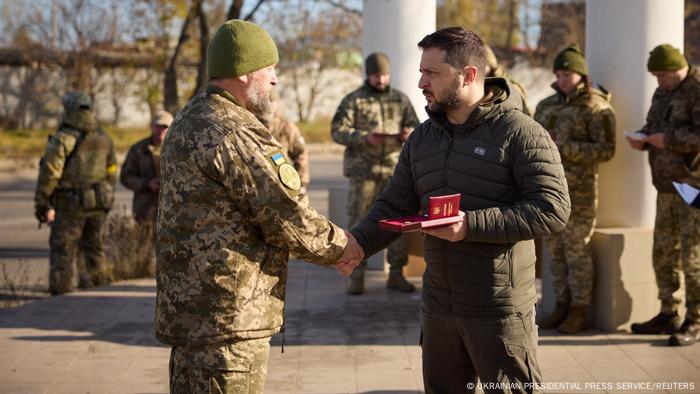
{"type": "Point", "coordinates": [398, 282]}
{"type": "Point", "coordinates": [575, 321]}
{"type": "Point", "coordinates": [357, 282]}
{"type": "Point", "coordinates": [688, 334]}
{"type": "Point", "coordinates": [555, 318]}
{"type": "Point", "coordinates": [663, 323]}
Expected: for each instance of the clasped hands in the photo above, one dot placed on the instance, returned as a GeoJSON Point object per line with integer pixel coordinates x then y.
{"type": "Point", "coordinates": [351, 257]}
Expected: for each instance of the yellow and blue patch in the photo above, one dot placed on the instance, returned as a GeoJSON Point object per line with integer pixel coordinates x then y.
{"type": "Point", "coordinates": [278, 158]}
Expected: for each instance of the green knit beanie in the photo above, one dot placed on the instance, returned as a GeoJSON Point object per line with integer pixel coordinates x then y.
{"type": "Point", "coordinates": [571, 59]}
{"type": "Point", "coordinates": [239, 48]}
{"type": "Point", "coordinates": [665, 57]}
{"type": "Point", "coordinates": [377, 63]}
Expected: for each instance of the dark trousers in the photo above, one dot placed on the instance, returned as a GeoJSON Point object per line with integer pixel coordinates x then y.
{"type": "Point", "coordinates": [497, 354]}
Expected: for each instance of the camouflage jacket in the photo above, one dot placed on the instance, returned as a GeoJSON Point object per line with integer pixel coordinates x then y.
{"type": "Point", "coordinates": [518, 88]}
{"type": "Point", "coordinates": [583, 127]}
{"type": "Point", "coordinates": [677, 115]}
{"type": "Point", "coordinates": [289, 136]}
{"type": "Point", "coordinates": [140, 166]}
{"type": "Point", "coordinates": [78, 171]}
{"type": "Point", "coordinates": [228, 217]}
{"type": "Point", "coordinates": [364, 111]}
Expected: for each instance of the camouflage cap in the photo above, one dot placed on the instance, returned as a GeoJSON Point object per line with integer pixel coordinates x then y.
{"type": "Point", "coordinates": [162, 118]}
{"type": "Point", "coordinates": [491, 59]}
{"type": "Point", "coordinates": [74, 101]}
{"type": "Point", "coordinates": [666, 57]}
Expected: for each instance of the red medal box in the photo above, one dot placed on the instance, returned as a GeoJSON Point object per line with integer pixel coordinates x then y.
{"type": "Point", "coordinates": [442, 211]}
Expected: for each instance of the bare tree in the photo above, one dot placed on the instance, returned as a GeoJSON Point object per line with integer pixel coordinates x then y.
{"type": "Point", "coordinates": [312, 40]}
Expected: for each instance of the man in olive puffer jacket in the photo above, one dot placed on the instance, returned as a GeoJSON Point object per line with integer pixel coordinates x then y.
{"type": "Point", "coordinates": [479, 284]}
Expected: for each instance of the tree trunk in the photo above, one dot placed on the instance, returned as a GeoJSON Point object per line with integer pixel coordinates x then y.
{"type": "Point", "coordinates": [170, 93]}
{"type": "Point", "coordinates": [203, 43]}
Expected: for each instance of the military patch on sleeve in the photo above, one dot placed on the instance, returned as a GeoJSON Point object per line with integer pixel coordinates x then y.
{"type": "Point", "coordinates": [289, 176]}
{"type": "Point", "coordinates": [277, 158]}
{"type": "Point", "coordinates": [112, 169]}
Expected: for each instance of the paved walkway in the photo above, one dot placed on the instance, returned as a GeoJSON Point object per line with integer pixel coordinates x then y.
{"type": "Point", "coordinates": [101, 341]}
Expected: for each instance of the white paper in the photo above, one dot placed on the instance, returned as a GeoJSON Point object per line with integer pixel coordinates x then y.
{"type": "Point", "coordinates": [635, 135]}
{"type": "Point", "coordinates": [687, 192]}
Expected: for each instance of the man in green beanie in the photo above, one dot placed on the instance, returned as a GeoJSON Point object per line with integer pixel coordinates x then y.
{"type": "Point", "coordinates": [581, 121]}
{"type": "Point", "coordinates": [228, 218]}
{"type": "Point", "coordinates": [673, 140]}
{"type": "Point", "coordinates": [373, 122]}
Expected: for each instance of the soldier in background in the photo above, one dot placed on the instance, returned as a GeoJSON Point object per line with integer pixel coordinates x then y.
{"type": "Point", "coordinates": [581, 121]}
{"type": "Point", "coordinates": [141, 169]}
{"type": "Point", "coordinates": [74, 192]}
{"type": "Point", "coordinates": [373, 122]}
{"type": "Point", "coordinates": [228, 217]}
{"type": "Point", "coordinates": [289, 136]}
{"type": "Point", "coordinates": [495, 70]}
{"type": "Point", "coordinates": [673, 142]}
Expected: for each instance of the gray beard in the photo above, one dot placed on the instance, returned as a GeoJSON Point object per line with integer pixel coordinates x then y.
{"type": "Point", "coordinates": [258, 101]}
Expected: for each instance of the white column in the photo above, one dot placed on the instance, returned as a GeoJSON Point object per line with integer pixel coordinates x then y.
{"type": "Point", "coordinates": [619, 36]}
{"type": "Point", "coordinates": [395, 27]}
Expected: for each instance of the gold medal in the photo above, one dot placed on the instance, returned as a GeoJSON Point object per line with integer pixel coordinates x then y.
{"type": "Point", "coordinates": [289, 176]}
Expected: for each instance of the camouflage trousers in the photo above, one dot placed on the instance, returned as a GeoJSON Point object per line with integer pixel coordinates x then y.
{"type": "Point", "coordinates": [237, 368]}
{"type": "Point", "coordinates": [362, 194]}
{"type": "Point", "coordinates": [72, 236]}
{"type": "Point", "coordinates": [495, 350]}
{"type": "Point", "coordinates": [571, 258]}
{"type": "Point", "coordinates": [677, 249]}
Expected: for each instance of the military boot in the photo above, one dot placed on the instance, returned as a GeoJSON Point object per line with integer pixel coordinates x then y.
{"type": "Point", "coordinates": [398, 282]}
{"type": "Point", "coordinates": [575, 320]}
{"type": "Point", "coordinates": [663, 323]}
{"type": "Point", "coordinates": [688, 334]}
{"type": "Point", "coordinates": [555, 318]}
{"type": "Point", "coordinates": [357, 282]}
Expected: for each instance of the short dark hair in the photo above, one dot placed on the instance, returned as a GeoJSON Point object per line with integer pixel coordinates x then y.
{"type": "Point", "coordinates": [462, 47]}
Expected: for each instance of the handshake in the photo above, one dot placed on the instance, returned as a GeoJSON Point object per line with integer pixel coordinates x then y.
{"type": "Point", "coordinates": [351, 257]}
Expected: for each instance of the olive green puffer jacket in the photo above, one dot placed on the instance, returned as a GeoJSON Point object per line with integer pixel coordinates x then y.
{"type": "Point", "coordinates": [512, 187]}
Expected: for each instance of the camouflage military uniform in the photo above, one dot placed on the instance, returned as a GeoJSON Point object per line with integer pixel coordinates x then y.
{"type": "Point", "coordinates": [583, 127]}
{"type": "Point", "coordinates": [289, 136]}
{"type": "Point", "coordinates": [76, 178]}
{"type": "Point", "coordinates": [369, 167]}
{"type": "Point", "coordinates": [677, 228]}
{"type": "Point", "coordinates": [142, 164]}
{"type": "Point", "coordinates": [228, 217]}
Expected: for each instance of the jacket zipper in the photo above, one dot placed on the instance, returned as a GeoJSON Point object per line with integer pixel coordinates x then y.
{"type": "Point", "coordinates": [381, 114]}
{"type": "Point", "coordinates": [444, 243]}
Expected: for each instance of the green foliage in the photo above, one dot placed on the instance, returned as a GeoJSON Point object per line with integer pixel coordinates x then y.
{"type": "Point", "coordinates": [317, 131]}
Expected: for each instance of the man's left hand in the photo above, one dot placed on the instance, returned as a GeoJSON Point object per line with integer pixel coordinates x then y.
{"type": "Point", "coordinates": [453, 233]}
{"type": "Point", "coordinates": [657, 140]}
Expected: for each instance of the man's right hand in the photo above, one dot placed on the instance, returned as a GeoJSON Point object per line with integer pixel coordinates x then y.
{"type": "Point", "coordinates": [351, 257]}
{"type": "Point", "coordinates": [50, 216]}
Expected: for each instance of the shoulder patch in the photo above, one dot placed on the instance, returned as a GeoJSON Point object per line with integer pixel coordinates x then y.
{"type": "Point", "coordinates": [289, 177]}
{"type": "Point", "coordinates": [277, 158]}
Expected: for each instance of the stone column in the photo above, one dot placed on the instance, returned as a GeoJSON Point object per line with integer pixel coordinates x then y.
{"type": "Point", "coordinates": [395, 27]}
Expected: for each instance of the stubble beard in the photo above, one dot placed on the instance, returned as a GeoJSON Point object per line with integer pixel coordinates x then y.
{"type": "Point", "coordinates": [450, 101]}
